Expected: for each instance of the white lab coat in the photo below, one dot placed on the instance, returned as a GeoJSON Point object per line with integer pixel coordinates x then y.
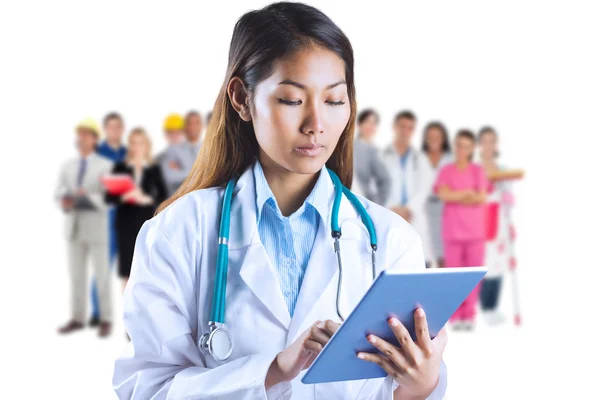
{"type": "Point", "coordinates": [417, 190]}
{"type": "Point", "coordinates": [169, 294]}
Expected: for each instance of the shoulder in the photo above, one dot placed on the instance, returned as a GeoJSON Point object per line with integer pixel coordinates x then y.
{"type": "Point", "coordinates": [176, 149]}
{"type": "Point", "coordinates": [188, 215]}
{"type": "Point", "coordinates": [388, 153]}
{"type": "Point", "coordinates": [100, 160]}
{"type": "Point", "coordinates": [478, 168]}
{"type": "Point", "coordinates": [447, 169]}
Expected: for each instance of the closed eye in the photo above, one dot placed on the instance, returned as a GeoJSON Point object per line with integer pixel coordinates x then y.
{"type": "Point", "coordinates": [336, 103]}
{"type": "Point", "coordinates": [290, 102]}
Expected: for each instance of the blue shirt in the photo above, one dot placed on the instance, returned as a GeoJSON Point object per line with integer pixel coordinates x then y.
{"type": "Point", "coordinates": [289, 240]}
{"type": "Point", "coordinates": [403, 162]}
{"type": "Point", "coordinates": [106, 151]}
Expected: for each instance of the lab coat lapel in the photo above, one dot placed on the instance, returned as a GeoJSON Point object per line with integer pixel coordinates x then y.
{"type": "Point", "coordinates": [321, 269]}
{"type": "Point", "coordinates": [256, 269]}
{"type": "Point", "coordinates": [260, 276]}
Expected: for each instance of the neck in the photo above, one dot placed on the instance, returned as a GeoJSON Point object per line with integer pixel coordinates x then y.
{"type": "Point", "coordinates": [290, 189]}
{"type": "Point", "coordinates": [434, 155]}
{"type": "Point", "coordinates": [364, 138]}
{"type": "Point", "coordinates": [488, 160]}
{"type": "Point", "coordinates": [85, 153]}
{"type": "Point", "coordinates": [193, 139]}
{"type": "Point", "coordinates": [462, 163]}
{"type": "Point", "coordinates": [401, 147]}
{"type": "Point", "coordinates": [137, 161]}
{"type": "Point", "coordinates": [115, 144]}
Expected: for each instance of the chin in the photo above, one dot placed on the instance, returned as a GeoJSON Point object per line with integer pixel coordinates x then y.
{"type": "Point", "coordinates": [306, 165]}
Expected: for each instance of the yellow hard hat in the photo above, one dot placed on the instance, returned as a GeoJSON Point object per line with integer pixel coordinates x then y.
{"type": "Point", "coordinates": [173, 122]}
{"type": "Point", "coordinates": [91, 124]}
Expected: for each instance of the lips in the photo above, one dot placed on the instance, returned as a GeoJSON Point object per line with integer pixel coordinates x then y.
{"type": "Point", "coordinates": [311, 150]}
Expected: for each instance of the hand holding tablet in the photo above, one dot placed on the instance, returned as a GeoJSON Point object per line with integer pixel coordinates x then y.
{"type": "Point", "coordinates": [395, 296]}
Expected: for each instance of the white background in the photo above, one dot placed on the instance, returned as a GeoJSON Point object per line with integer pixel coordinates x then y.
{"type": "Point", "coordinates": [531, 69]}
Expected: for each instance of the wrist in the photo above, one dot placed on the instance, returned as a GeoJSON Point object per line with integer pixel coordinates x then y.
{"type": "Point", "coordinates": [274, 375]}
{"type": "Point", "coordinates": [402, 393]}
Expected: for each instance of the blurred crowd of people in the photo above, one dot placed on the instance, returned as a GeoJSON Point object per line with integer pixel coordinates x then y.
{"type": "Point", "coordinates": [459, 207]}
{"type": "Point", "coordinates": [101, 226]}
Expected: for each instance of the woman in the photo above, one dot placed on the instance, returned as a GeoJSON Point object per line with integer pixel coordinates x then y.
{"type": "Point", "coordinates": [462, 186]}
{"type": "Point", "coordinates": [499, 247]}
{"type": "Point", "coordinates": [437, 154]}
{"type": "Point", "coordinates": [139, 204]}
{"type": "Point", "coordinates": [371, 173]}
{"type": "Point", "coordinates": [286, 109]}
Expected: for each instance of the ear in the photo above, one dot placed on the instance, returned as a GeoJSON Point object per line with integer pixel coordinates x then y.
{"type": "Point", "coordinates": [239, 98]}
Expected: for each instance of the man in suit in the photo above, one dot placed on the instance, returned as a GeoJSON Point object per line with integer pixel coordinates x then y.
{"type": "Point", "coordinates": [179, 158]}
{"type": "Point", "coordinates": [81, 196]}
{"type": "Point", "coordinates": [372, 179]}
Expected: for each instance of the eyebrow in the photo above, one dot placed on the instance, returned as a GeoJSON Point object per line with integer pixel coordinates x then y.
{"type": "Point", "coordinates": [301, 86]}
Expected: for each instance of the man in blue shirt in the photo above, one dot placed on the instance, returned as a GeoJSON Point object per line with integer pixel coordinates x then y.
{"type": "Point", "coordinates": [111, 148]}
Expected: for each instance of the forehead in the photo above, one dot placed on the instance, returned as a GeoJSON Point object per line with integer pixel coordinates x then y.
{"type": "Point", "coordinates": [85, 132]}
{"type": "Point", "coordinates": [314, 67]}
{"type": "Point", "coordinates": [113, 121]}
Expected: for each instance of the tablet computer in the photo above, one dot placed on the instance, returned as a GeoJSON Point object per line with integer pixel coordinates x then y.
{"type": "Point", "coordinates": [395, 293]}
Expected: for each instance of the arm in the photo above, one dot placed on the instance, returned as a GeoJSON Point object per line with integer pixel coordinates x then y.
{"type": "Point", "coordinates": [61, 186]}
{"type": "Point", "coordinates": [475, 198]}
{"type": "Point", "coordinates": [160, 194]}
{"type": "Point", "coordinates": [113, 199]}
{"type": "Point", "coordinates": [96, 194]}
{"type": "Point", "coordinates": [382, 178]}
{"type": "Point", "coordinates": [451, 196]}
{"type": "Point", "coordinates": [173, 176]}
{"type": "Point", "coordinates": [161, 316]}
{"type": "Point", "coordinates": [506, 175]}
{"type": "Point", "coordinates": [482, 186]}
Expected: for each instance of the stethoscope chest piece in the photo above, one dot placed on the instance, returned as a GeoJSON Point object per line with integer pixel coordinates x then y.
{"type": "Point", "coordinates": [217, 343]}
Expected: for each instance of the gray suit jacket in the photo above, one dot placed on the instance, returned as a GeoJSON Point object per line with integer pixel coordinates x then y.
{"type": "Point", "coordinates": [86, 225]}
{"type": "Point", "coordinates": [370, 170]}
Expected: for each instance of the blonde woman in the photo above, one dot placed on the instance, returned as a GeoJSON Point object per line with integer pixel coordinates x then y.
{"type": "Point", "coordinates": [139, 204]}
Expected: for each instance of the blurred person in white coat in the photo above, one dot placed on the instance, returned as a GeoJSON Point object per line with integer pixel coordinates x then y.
{"type": "Point", "coordinates": [286, 110]}
{"type": "Point", "coordinates": [81, 196]}
{"type": "Point", "coordinates": [405, 164]}
{"type": "Point", "coordinates": [437, 153]}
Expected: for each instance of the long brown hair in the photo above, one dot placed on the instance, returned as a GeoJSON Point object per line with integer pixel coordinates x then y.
{"type": "Point", "coordinates": [259, 39]}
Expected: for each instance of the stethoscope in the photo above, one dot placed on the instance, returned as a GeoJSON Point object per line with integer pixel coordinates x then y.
{"type": "Point", "coordinates": [218, 342]}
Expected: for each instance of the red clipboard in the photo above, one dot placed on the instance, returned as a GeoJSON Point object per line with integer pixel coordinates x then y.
{"type": "Point", "coordinates": [118, 184]}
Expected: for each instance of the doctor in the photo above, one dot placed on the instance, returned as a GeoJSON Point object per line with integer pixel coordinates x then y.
{"type": "Point", "coordinates": [409, 191]}
{"type": "Point", "coordinates": [286, 110]}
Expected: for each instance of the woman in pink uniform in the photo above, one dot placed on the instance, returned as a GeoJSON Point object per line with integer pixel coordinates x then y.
{"type": "Point", "coordinates": [462, 186]}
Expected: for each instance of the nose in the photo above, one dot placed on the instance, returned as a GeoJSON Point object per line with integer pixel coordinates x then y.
{"type": "Point", "coordinates": [313, 122]}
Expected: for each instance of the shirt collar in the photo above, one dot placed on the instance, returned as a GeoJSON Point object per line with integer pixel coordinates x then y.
{"type": "Point", "coordinates": [318, 197]}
